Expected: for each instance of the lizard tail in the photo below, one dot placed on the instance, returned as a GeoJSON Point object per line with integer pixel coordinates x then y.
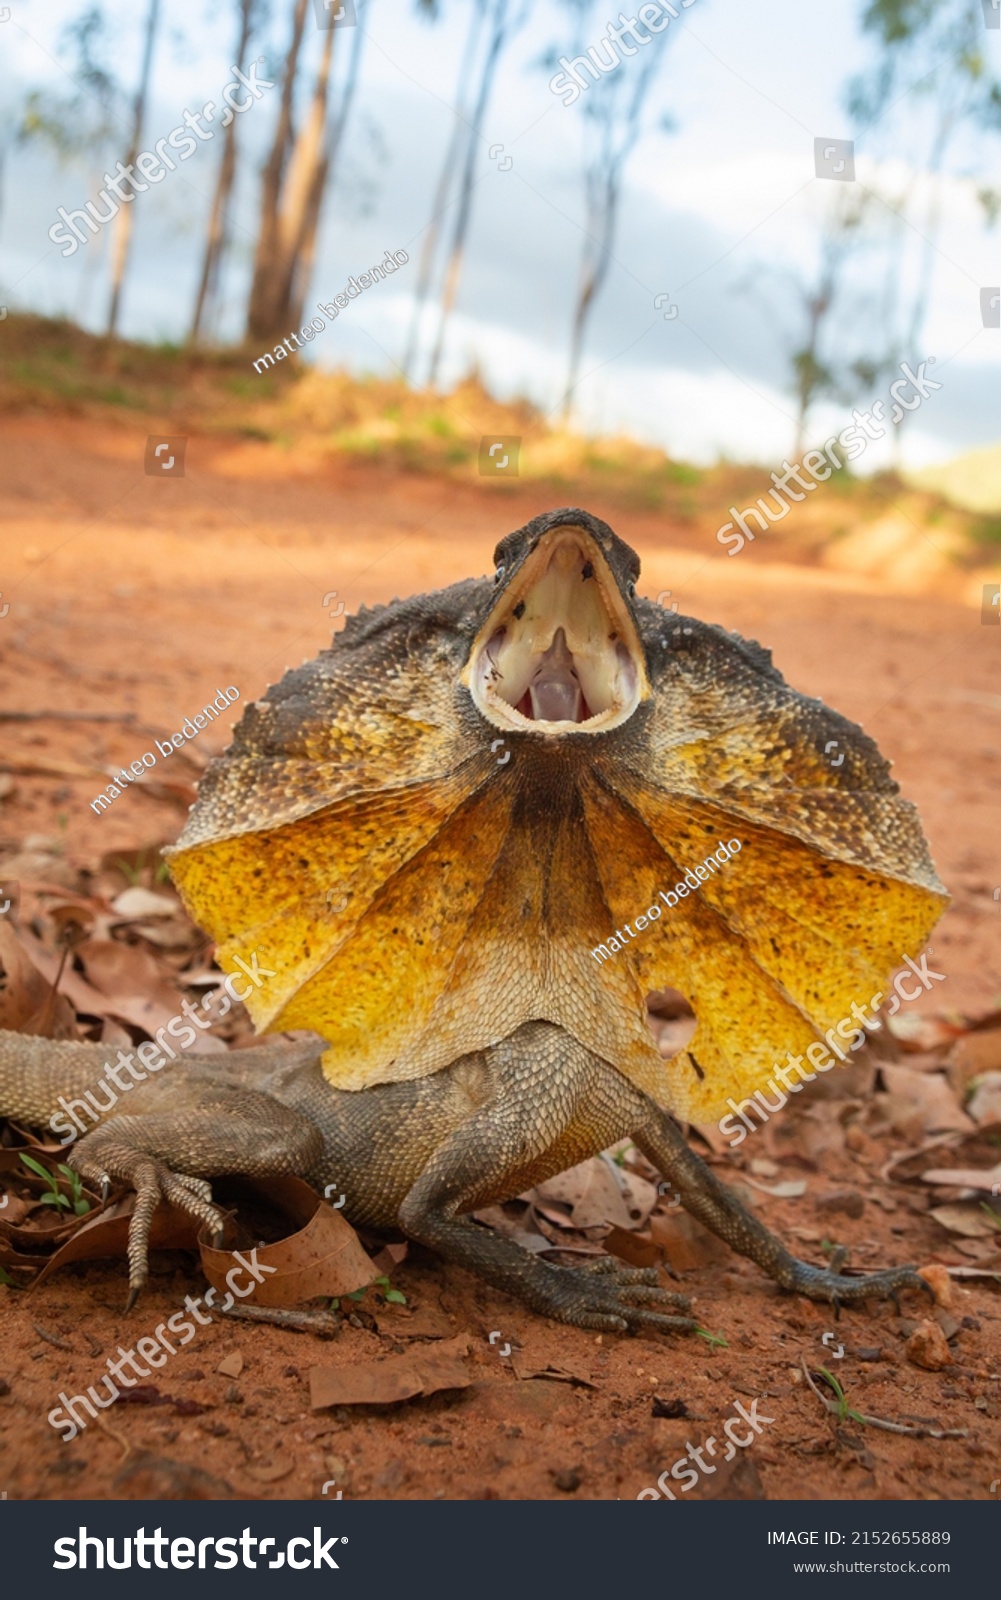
{"type": "Point", "coordinates": [43, 1082]}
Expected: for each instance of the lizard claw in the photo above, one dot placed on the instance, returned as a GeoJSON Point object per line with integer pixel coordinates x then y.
{"type": "Point", "coordinates": [152, 1182]}
{"type": "Point", "coordinates": [611, 1297]}
{"type": "Point", "coordinates": [817, 1284]}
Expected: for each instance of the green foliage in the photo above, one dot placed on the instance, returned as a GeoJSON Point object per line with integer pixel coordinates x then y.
{"type": "Point", "coordinates": [844, 1409]}
{"type": "Point", "coordinates": [55, 1197]}
{"type": "Point", "coordinates": [712, 1339]}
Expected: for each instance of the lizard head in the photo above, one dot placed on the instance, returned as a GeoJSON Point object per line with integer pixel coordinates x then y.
{"type": "Point", "coordinates": [559, 650]}
{"type": "Point", "coordinates": [666, 815]}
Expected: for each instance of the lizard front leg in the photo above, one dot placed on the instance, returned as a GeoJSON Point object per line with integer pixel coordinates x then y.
{"type": "Point", "coordinates": [715, 1205]}
{"type": "Point", "coordinates": [168, 1155]}
{"type": "Point", "coordinates": [547, 1095]}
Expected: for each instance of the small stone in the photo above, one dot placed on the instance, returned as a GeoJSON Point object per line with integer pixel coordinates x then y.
{"type": "Point", "coordinates": [939, 1282]}
{"type": "Point", "coordinates": [848, 1201]}
{"type": "Point", "coordinates": [232, 1395]}
{"type": "Point", "coordinates": [4, 1386]}
{"type": "Point", "coordinates": [568, 1480]}
{"type": "Point", "coordinates": [669, 1408]}
{"type": "Point", "coordinates": [232, 1365]}
{"type": "Point", "coordinates": [927, 1347]}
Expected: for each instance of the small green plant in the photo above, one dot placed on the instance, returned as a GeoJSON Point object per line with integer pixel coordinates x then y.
{"type": "Point", "coordinates": [382, 1284]}
{"type": "Point", "coordinates": [990, 1214]}
{"type": "Point", "coordinates": [394, 1296]}
{"type": "Point", "coordinates": [844, 1409]}
{"type": "Point", "coordinates": [712, 1339]}
{"type": "Point", "coordinates": [7, 1280]}
{"type": "Point", "coordinates": [75, 1201]}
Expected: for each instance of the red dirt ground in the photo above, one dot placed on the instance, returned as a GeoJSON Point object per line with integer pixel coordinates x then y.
{"type": "Point", "coordinates": [128, 594]}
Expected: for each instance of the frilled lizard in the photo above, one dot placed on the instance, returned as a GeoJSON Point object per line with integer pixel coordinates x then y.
{"type": "Point", "coordinates": [424, 834]}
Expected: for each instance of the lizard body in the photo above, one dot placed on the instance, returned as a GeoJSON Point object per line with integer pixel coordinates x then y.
{"type": "Point", "coordinates": [468, 1045]}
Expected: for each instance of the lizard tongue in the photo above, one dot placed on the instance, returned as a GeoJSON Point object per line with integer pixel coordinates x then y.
{"type": "Point", "coordinates": [554, 691]}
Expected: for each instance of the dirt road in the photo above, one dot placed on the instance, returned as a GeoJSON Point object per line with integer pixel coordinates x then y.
{"type": "Point", "coordinates": [131, 595]}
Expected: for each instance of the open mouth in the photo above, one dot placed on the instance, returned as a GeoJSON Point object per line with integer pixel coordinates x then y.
{"type": "Point", "coordinates": [559, 649]}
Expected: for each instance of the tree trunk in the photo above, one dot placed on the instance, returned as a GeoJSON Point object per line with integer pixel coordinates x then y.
{"type": "Point", "coordinates": [302, 270]}
{"type": "Point", "coordinates": [460, 132]}
{"type": "Point", "coordinates": [123, 221]}
{"type": "Point", "coordinates": [260, 309]}
{"type": "Point", "coordinates": [217, 238]}
{"type": "Point", "coordinates": [454, 269]}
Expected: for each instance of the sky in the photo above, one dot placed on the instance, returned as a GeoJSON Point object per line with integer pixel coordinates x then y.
{"type": "Point", "coordinates": [721, 212]}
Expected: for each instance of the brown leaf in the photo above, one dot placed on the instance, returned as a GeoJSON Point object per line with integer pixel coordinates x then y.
{"type": "Point", "coordinates": [322, 1257]}
{"type": "Point", "coordinates": [554, 1374]}
{"type": "Point", "coordinates": [497, 1218]}
{"type": "Point", "coordinates": [136, 903]}
{"type": "Point", "coordinates": [926, 1096]}
{"type": "Point", "coordinates": [968, 1221]}
{"type": "Point", "coordinates": [636, 1248]}
{"type": "Point", "coordinates": [25, 992]}
{"type": "Point", "coordinates": [685, 1242]}
{"type": "Point", "coordinates": [393, 1378]}
{"type": "Point", "coordinates": [107, 1235]}
{"type": "Point", "coordinates": [596, 1195]}
{"type": "Point", "coordinates": [972, 1056]}
{"type": "Point", "coordinates": [965, 1177]}
{"type": "Point", "coordinates": [984, 1104]}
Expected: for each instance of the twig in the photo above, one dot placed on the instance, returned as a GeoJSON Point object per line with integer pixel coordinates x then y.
{"type": "Point", "coordinates": [67, 716]}
{"type": "Point", "coordinates": [321, 1323]}
{"type": "Point", "coordinates": [125, 1445]}
{"type": "Point", "coordinates": [50, 1338]}
{"type": "Point", "coordinates": [878, 1422]}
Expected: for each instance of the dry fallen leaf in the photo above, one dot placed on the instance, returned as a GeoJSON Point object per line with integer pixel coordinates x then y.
{"type": "Point", "coordinates": [596, 1194]}
{"type": "Point", "coordinates": [554, 1374]}
{"type": "Point", "coordinates": [984, 1104]}
{"type": "Point", "coordinates": [27, 1001]}
{"type": "Point", "coordinates": [137, 902]}
{"type": "Point", "coordinates": [392, 1378]}
{"type": "Point", "coordinates": [965, 1177]}
{"type": "Point", "coordinates": [973, 1055]}
{"type": "Point", "coordinates": [968, 1221]}
{"type": "Point", "coordinates": [322, 1257]}
{"type": "Point", "coordinates": [926, 1096]}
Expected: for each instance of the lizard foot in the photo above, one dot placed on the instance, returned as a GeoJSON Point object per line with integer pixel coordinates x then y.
{"type": "Point", "coordinates": [106, 1160]}
{"type": "Point", "coordinates": [818, 1283]}
{"type": "Point", "coordinates": [613, 1298]}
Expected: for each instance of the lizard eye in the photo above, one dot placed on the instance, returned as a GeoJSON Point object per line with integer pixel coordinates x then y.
{"type": "Point", "coordinates": [631, 590]}
{"type": "Point", "coordinates": [499, 574]}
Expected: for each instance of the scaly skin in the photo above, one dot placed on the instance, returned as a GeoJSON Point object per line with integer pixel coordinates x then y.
{"type": "Point", "coordinates": [428, 910]}
{"type": "Point", "coordinates": [419, 1156]}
